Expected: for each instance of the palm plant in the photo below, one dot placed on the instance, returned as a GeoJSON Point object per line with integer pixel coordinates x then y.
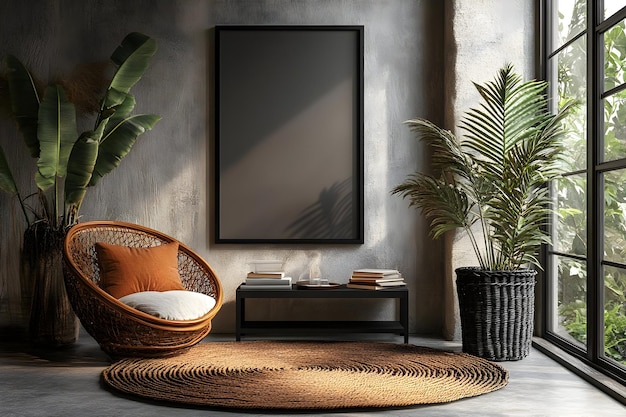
{"type": "Point", "coordinates": [496, 176]}
{"type": "Point", "coordinates": [68, 163]}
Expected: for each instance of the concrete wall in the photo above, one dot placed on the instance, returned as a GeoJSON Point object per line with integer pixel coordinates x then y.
{"type": "Point", "coordinates": [420, 59]}
{"type": "Point", "coordinates": [166, 181]}
{"type": "Point", "coordinates": [481, 37]}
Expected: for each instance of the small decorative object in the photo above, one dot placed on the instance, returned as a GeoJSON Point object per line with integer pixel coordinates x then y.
{"type": "Point", "coordinates": [314, 278]}
{"type": "Point", "coordinates": [315, 273]}
{"type": "Point", "coordinates": [494, 179]}
{"type": "Point", "coordinates": [267, 265]}
{"type": "Point", "coordinates": [307, 285]}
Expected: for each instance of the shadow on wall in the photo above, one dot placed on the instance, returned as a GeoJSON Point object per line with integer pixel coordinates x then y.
{"type": "Point", "coordinates": [330, 217]}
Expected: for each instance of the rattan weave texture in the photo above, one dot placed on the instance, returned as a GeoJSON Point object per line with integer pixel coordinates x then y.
{"type": "Point", "coordinates": [307, 375]}
{"type": "Point", "coordinates": [497, 312]}
{"type": "Point", "coordinates": [120, 330]}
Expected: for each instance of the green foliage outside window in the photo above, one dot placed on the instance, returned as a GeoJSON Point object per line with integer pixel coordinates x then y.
{"type": "Point", "coordinates": [571, 194]}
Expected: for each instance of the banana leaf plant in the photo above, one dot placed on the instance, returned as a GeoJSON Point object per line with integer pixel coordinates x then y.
{"type": "Point", "coordinates": [496, 176]}
{"type": "Point", "coordinates": [69, 163]}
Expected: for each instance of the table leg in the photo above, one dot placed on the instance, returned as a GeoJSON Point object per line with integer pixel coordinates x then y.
{"type": "Point", "coordinates": [240, 313]}
{"type": "Point", "coordinates": [404, 315]}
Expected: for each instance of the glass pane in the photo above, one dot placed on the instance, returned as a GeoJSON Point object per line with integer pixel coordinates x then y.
{"type": "Point", "coordinates": [614, 56]}
{"type": "Point", "coordinates": [615, 126]}
{"type": "Point", "coordinates": [615, 216]}
{"type": "Point", "coordinates": [568, 19]}
{"type": "Point", "coordinates": [612, 6]}
{"type": "Point", "coordinates": [568, 296]}
{"type": "Point", "coordinates": [615, 314]}
{"type": "Point", "coordinates": [568, 81]}
{"type": "Point", "coordinates": [570, 227]}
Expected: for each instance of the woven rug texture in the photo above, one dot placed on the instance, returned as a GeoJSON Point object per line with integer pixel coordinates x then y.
{"type": "Point", "coordinates": [307, 375]}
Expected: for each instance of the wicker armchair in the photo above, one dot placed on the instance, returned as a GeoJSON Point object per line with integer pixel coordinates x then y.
{"type": "Point", "coordinates": [120, 330]}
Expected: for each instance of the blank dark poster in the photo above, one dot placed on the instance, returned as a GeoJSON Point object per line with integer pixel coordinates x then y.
{"type": "Point", "coordinates": [289, 134]}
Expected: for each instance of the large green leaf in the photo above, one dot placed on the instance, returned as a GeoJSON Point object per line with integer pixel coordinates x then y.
{"type": "Point", "coordinates": [112, 98]}
{"type": "Point", "coordinates": [132, 57]}
{"type": "Point", "coordinates": [118, 140]}
{"type": "Point", "coordinates": [7, 182]}
{"type": "Point", "coordinates": [24, 102]}
{"type": "Point", "coordinates": [57, 134]}
{"type": "Point", "coordinates": [80, 167]}
{"type": "Point", "coordinates": [124, 107]}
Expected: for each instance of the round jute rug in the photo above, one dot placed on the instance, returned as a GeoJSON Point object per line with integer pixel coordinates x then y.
{"type": "Point", "coordinates": [307, 375]}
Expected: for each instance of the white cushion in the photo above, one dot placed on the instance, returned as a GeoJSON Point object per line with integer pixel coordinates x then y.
{"type": "Point", "coordinates": [171, 305]}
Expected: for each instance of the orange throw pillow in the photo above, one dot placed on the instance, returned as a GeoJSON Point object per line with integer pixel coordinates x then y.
{"type": "Point", "coordinates": [126, 270]}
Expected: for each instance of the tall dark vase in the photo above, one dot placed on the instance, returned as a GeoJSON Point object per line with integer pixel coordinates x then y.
{"type": "Point", "coordinates": [52, 321]}
{"type": "Point", "coordinates": [497, 312]}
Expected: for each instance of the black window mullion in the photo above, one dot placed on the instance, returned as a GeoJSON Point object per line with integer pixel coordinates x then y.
{"type": "Point", "coordinates": [566, 44]}
{"type": "Point", "coordinates": [595, 171]}
{"type": "Point", "coordinates": [612, 165]}
{"type": "Point", "coordinates": [546, 54]}
{"type": "Point", "coordinates": [613, 90]}
{"type": "Point", "coordinates": [611, 21]}
{"type": "Point", "coordinates": [595, 199]}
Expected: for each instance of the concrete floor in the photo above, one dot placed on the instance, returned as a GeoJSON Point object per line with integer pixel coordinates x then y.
{"type": "Point", "coordinates": [66, 383]}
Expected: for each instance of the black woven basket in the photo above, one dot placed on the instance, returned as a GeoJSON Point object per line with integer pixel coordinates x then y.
{"type": "Point", "coordinates": [497, 312]}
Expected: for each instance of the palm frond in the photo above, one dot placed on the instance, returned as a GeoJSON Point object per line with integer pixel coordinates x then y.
{"type": "Point", "coordinates": [447, 154]}
{"type": "Point", "coordinates": [496, 176]}
{"type": "Point", "coordinates": [446, 206]}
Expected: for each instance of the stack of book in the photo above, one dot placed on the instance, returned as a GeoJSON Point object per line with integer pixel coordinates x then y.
{"type": "Point", "coordinates": [266, 275]}
{"type": "Point", "coordinates": [375, 279]}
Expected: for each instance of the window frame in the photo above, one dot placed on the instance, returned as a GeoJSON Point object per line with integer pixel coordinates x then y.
{"type": "Point", "coordinates": [593, 356]}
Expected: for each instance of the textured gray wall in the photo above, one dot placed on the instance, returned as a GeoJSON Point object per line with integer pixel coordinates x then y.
{"type": "Point", "coordinates": [165, 182]}
{"type": "Point", "coordinates": [483, 35]}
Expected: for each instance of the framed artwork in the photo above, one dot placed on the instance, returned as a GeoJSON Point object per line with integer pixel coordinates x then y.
{"type": "Point", "coordinates": [289, 134]}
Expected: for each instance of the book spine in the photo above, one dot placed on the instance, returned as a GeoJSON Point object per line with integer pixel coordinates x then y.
{"type": "Point", "coordinates": [264, 287]}
{"type": "Point", "coordinates": [268, 281]}
{"type": "Point", "coordinates": [376, 271]}
{"type": "Point", "coordinates": [375, 280]}
{"type": "Point", "coordinates": [266, 275]}
{"type": "Point", "coordinates": [364, 287]}
{"type": "Point", "coordinates": [388, 276]}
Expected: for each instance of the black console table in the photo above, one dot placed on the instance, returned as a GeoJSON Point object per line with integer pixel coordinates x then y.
{"type": "Point", "coordinates": [247, 327]}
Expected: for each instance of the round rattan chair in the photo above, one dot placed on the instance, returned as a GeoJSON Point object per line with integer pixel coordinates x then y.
{"type": "Point", "coordinates": [123, 331]}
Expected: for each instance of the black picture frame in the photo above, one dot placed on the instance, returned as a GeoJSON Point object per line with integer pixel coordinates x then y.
{"type": "Point", "coordinates": [289, 134]}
